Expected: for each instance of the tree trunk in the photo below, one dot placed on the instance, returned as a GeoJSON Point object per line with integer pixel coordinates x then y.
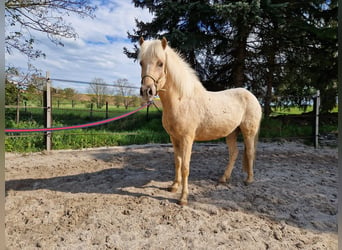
{"type": "Point", "coordinates": [239, 54]}
{"type": "Point", "coordinates": [268, 98]}
{"type": "Point", "coordinates": [269, 80]}
{"type": "Point", "coordinates": [17, 119]}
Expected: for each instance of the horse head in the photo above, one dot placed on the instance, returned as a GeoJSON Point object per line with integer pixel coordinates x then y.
{"type": "Point", "coordinates": [152, 58]}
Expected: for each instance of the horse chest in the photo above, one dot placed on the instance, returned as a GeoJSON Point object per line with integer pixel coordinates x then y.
{"type": "Point", "coordinates": [179, 125]}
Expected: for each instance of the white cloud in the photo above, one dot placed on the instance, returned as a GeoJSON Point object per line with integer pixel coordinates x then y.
{"type": "Point", "coordinates": [98, 52]}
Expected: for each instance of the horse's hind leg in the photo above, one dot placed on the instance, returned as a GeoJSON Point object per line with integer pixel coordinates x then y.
{"type": "Point", "coordinates": [233, 153]}
{"type": "Point", "coordinates": [248, 157]}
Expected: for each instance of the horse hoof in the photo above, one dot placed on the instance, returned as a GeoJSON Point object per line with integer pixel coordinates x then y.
{"type": "Point", "coordinates": [182, 202]}
{"type": "Point", "coordinates": [223, 180]}
{"type": "Point", "coordinates": [248, 182]}
{"type": "Point", "coordinates": [173, 189]}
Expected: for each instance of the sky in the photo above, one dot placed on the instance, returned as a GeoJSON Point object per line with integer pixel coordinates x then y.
{"type": "Point", "coordinates": [96, 53]}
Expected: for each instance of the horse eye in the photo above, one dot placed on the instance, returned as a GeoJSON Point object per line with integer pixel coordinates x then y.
{"type": "Point", "coordinates": [160, 64]}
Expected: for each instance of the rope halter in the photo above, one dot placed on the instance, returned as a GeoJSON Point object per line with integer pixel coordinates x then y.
{"type": "Point", "coordinates": [155, 82]}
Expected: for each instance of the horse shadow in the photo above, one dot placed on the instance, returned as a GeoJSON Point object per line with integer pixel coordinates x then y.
{"type": "Point", "coordinates": [140, 173]}
{"type": "Point", "coordinates": [134, 174]}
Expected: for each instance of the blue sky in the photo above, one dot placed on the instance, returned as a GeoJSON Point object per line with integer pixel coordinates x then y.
{"type": "Point", "coordinates": [96, 53]}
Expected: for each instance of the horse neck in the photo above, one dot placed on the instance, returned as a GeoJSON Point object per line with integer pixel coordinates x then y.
{"type": "Point", "coordinates": [172, 100]}
{"type": "Point", "coordinates": [181, 80]}
{"type": "Point", "coordinates": [169, 96]}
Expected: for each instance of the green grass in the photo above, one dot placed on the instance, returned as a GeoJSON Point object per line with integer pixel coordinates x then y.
{"type": "Point", "coordinates": [291, 111]}
{"type": "Point", "coordinates": [296, 111]}
{"type": "Point", "coordinates": [275, 129]}
{"type": "Point", "coordinates": [88, 139]}
{"type": "Point", "coordinates": [135, 129]}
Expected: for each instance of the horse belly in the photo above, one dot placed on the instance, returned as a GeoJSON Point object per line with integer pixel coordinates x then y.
{"type": "Point", "coordinates": [202, 123]}
{"type": "Point", "coordinates": [213, 129]}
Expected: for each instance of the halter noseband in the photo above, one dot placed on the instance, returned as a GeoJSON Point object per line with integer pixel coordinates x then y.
{"type": "Point", "coordinates": [155, 82]}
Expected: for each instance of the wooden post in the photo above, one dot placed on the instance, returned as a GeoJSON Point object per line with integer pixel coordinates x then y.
{"type": "Point", "coordinates": [91, 109]}
{"type": "Point", "coordinates": [316, 121]}
{"type": "Point", "coordinates": [107, 115]}
{"type": "Point", "coordinates": [47, 111]}
{"type": "Point", "coordinates": [17, 119]}
{"type": "Point", "coordinates": [148, 107]}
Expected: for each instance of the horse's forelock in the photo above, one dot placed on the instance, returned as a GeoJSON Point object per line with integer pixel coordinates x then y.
{"type": "Point", "coordinates": [152, 49]}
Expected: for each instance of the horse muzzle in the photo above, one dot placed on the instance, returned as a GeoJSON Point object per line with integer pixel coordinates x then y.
{"type": "Point", "coordinates": [148, 88]}
{"type": "Point", "coordinates": [148, 93]}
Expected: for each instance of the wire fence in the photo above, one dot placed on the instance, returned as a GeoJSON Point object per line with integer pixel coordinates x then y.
{"type": "Point", "coordinates": [71, 108]}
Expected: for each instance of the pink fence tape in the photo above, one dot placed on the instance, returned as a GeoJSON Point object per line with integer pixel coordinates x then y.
{"type": "Point", "coordinates": [19, 130]}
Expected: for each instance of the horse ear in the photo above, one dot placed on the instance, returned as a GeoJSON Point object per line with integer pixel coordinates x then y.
{"type": "Point", "coordinates": [164, 42]}
{"type": "Point", "coordinates": [141, 41]}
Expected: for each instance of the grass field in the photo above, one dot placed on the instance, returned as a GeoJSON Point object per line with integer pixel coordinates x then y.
{"type": "Point", "coordinates": [135, 129]}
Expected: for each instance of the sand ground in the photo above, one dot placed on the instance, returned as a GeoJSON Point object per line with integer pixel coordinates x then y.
{"type": "Point", "coordinates": [117, 198]}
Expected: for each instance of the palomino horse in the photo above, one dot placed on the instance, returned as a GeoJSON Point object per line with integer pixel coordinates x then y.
{"type": "Point", "coordinates": [191, 113]}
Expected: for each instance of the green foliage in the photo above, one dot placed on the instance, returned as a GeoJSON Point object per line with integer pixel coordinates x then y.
{"type": "Point", "coordinates": [137, 129]}
{"type": "Point", "coordinates": [11, 92]}
{"type": "Point", "coordinates": [276, 129]}
{"type": "Point", "coordinates": [24, 143]}
{"type": "Point", "coordinates": [281, 50]}
{"type": "Point", "coordinates": [79, 139]}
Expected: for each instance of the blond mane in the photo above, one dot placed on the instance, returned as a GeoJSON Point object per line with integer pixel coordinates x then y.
{"type": "Point", "coordinates": [179, 72]}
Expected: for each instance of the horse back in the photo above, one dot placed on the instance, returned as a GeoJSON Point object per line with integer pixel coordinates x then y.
{"type": "Point", "coordinates": [220, 113]}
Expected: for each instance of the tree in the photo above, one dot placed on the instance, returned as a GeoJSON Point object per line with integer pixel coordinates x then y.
{"type": "Point", "coordinates": [312, 54]}
{"type": "Point", "coordinates": [69, 93]}
{"type": "Point", "coordinates": [100, 90]}
{"type": "Point", "coordinates": [185, 25]}
{"type": "Point", "coordinates": [25, 16]}
{"type": "Point", "coordinates": [212, 36]}
{"type": "Point", "coordinates": [239, 18]}
{"type": "Point", "coordinates": [265, 58]}
{"type": "Point", "coordinates": [283, 48]}
{"type": "Point", "coordinates": [124, 92]}
{"type": "Point", "coordinates": [11, 93]}
{"type": "Point", "coordinates": [19, 86]}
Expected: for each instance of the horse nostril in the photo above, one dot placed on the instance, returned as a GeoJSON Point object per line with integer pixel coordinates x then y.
{"type": "Point", "coordinates": [141, 92]}
{"type": "Point", "coordinates": [149, 92]}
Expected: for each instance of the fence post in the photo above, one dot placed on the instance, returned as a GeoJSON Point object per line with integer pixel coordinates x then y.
{"type": "Point", "coordinates": [147, 116]}
{"type": "Point", "coordinates": [91, 109]}
{"type": "Point", "coordinates": [107, 115]}
{"type": "Point", "coordinates": [47, 112]}
{"type": "Point", "coordinates": [316, 118]}
{"type": "Point", "coordinates": [17, 119]}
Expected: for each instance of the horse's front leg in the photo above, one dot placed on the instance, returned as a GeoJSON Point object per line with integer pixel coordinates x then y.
{"type": "Point", "coordinates": [185, 148]}
{"type": "Point", "coordinates": [178, 162]}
